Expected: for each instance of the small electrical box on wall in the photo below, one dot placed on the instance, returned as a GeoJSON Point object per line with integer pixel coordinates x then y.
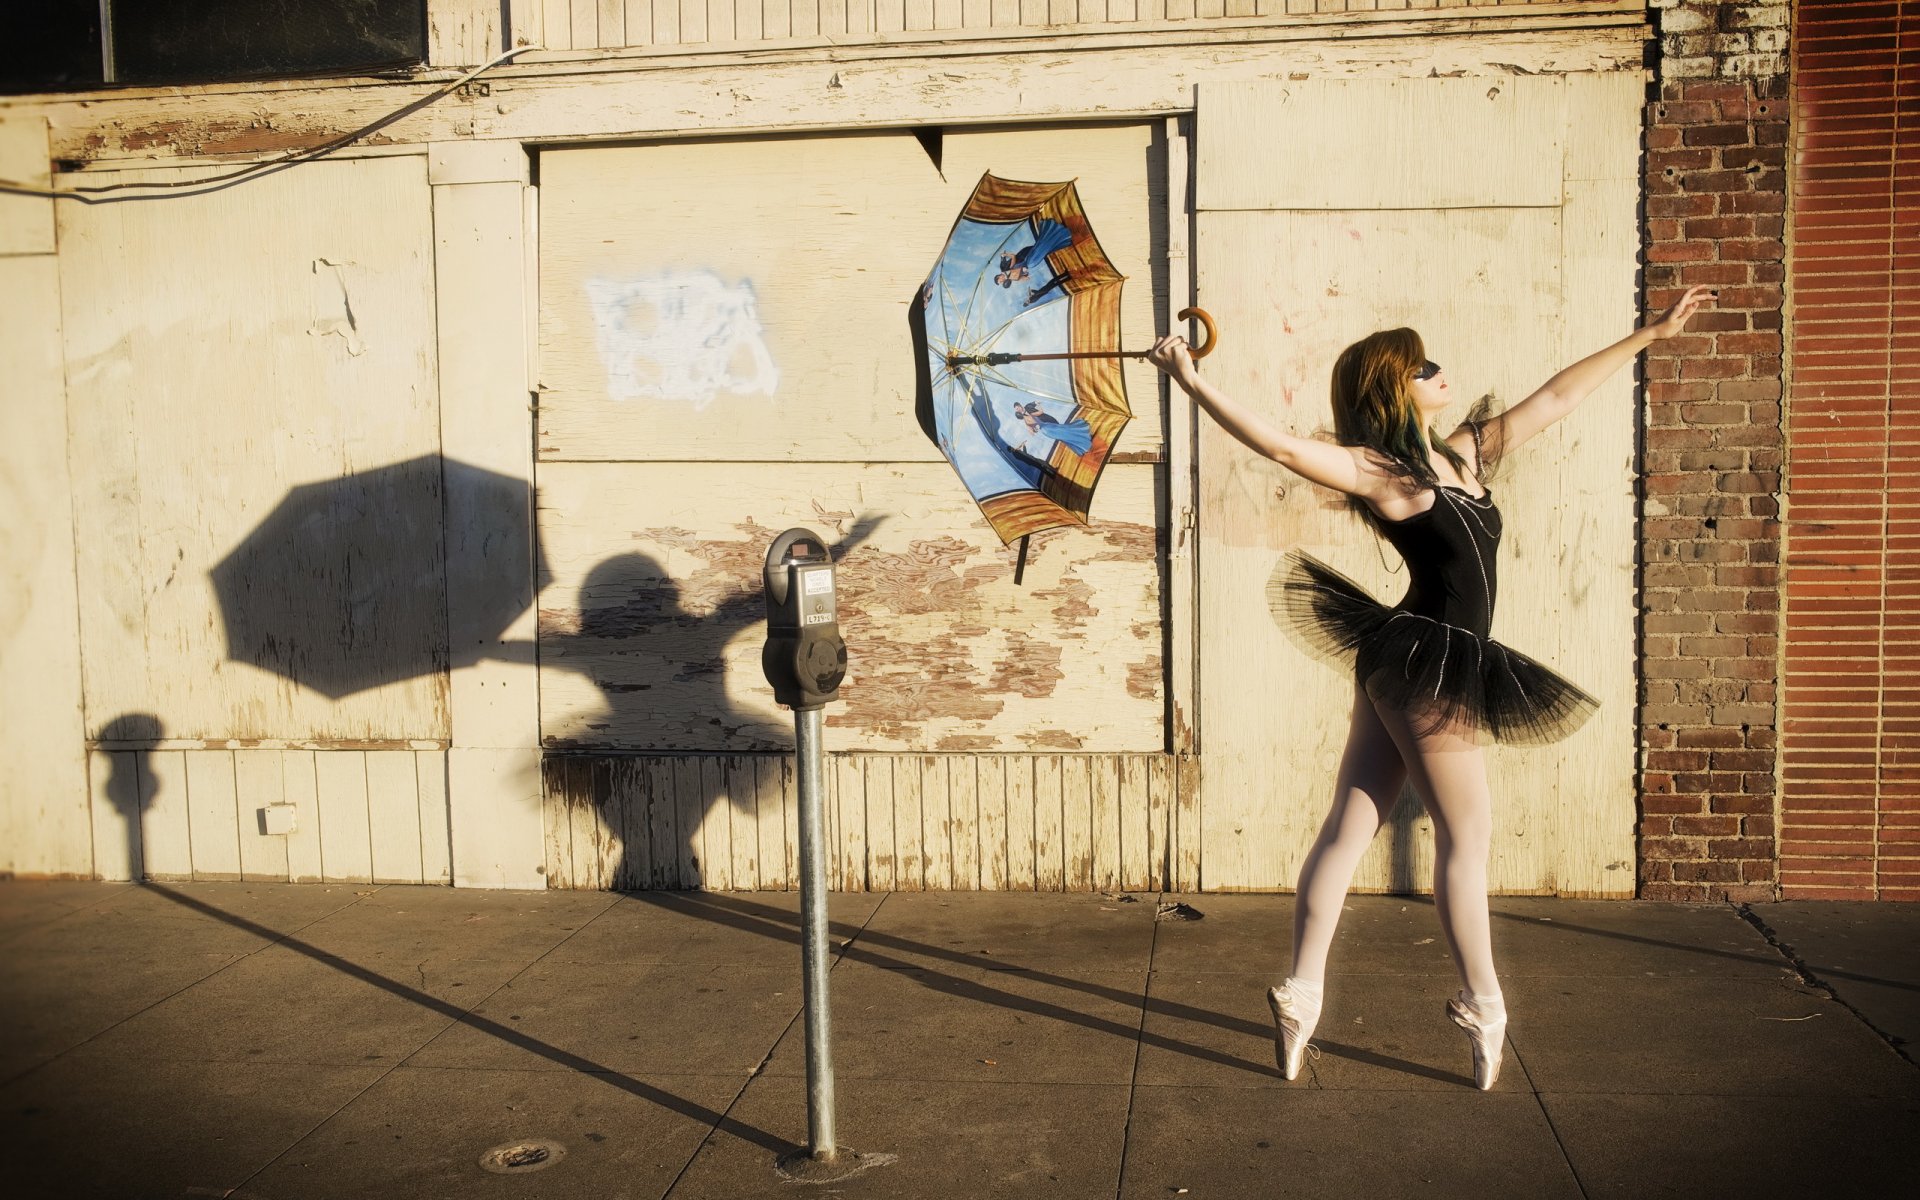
{"type": "Point", "coordinates": [277, 819]}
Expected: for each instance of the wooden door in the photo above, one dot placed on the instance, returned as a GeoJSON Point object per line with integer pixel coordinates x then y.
{"type": "Point", "coordinates": [1497, 217]}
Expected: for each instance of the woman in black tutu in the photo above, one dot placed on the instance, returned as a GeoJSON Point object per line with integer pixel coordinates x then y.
{"type": "Point", "coordinates": [1431, 686]}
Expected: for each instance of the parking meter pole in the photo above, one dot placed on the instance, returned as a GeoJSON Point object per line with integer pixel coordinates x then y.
{"type": "Point", "coordinates": [814, 958]}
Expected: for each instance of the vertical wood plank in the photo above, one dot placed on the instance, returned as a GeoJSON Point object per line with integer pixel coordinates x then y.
{"type": "Point", "coordinates": [1005, 14]}
{"type": "Point", "coordinates": [889, 16]}
{"type": "Point", "coordinates": [1022, 836]}
{"type": "Point", "coordinates": [1076, 807]}
{"type": "Point", "coordinates": [1063, 12]}
{"type": "Point", "coordinates": [640, 27]}
{"type": "Point", "coordinates": [859, 16]}
{"type": "Point", "coordinates": [556, 818]}
{"type": "Point", "coordinates": [1189, 834]}
{"type": "Point", "coordinates": [743, 803]}
{"type": "Point", "coordinates": [693, 22]}
{"type": "Point", "coordinates": [883, 852]}
{"type": "Point", "coordinates": [963, 820]}
{"type": "Point", "coordinates": [1157, 786]}
{"type": "Point", "coordinates": [833, 16]}
{"type": "Point", "coordinates": [770, 802]}
{"type": "Point", "coordinates": [666, 22]}
{"type": "Point", "coordinates": [917, 15]}
{"type": "Point", "coordinates": [809, 20]}
{"type": "Point", "coordinates": [526, 23]}
{"type": "Point", "coordinates": [627, 784]}
{"type": "Point", "coordinates": [1049, 871]}
{"type": "Point", "coordinates": [936, 822]}
{"type": "Point", "coordinates": [612, 20]}
{"type": "Point", "coordinates": [346, 850]}
{"type": "Point", "coordinates": [114, 792]}
{"type": "Point", "coordinates": [585, 24]}
{"type": "Point", "coordinates": [770, 18]}
{"type": "Point", "coordinates": [212, 814]}
{"type": "Point", "coordinates": [596, 824]}
{"type": "Point", "coordinates": [299, 784]}
{"type": "Point", "coordinates": [688, 813]}
{"type": "Point", "coordinates": [1033, 12]}
{"type": "Point", "coordinates": [850, 798]}
{"type": "Point", "coordinates": [436, 846]}
{"type": "Point", "coordinates": [946, 14]}
{"type": "Point", "coordinates": [665, 844]}
{"type": "Point", "coordinates": [257, 783]}
{"type": "Point", "coordinates": [990, 786]}
{"type": "Point", "coordinates": [556, 22]}
{"type": "Point", "coordinates": [393, 815]}
{"type": "Point", "coordinates": [1108, 843]}
{"type": "Point", "coordinates": [909, 829]}
{"type": "Point", "coordinates": [1183, 497]}
{"type": "Point", "coordinates": [716, 826]}
{"type": "Point", "coordinates": [976, 14]}
{"type": "Point", "coordinates": [165, 837]}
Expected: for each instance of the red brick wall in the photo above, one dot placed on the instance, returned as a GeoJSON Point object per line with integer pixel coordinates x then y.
{"type": "Point", "coordinates": [1850, 804]}
{"type": "Point", "coordinates": [1710, 536]}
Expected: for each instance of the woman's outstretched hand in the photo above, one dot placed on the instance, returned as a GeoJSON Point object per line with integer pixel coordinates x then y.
{"type": "Point", "coordinates": [1171, 356]}
{"type": "Point", "coordinates": [1672, 322]}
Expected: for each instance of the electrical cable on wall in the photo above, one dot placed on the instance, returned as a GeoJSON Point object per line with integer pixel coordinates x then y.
{"type": "Point", "coordinates": [165, 189]}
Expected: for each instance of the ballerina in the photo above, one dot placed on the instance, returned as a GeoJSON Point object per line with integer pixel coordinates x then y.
{"type": "Point", "coordinates": [1430, 686]}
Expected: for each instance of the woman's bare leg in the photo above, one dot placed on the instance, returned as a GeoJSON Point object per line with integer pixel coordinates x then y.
{"type": "Point", "coordinates": [1449, 770]}
{"type": "Point", "coordinates": [1371, 774]}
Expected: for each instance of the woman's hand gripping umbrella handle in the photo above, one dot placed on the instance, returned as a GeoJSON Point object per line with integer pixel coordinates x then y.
{"type": "Point", "coordinates": [1201, 351]}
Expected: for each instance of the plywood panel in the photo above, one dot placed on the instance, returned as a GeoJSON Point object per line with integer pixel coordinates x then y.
{"type": "Point", "coordinates": [115, 810]}
{"type": "Point", "coordinates": [657, 646]}
{"type": "Point", "coordinates": [165, 841]}
{"type": "Point", "coordinates": [1512, 128]}
{"type": "Point", "coordinates": [212, 814]}
{"type": "Point", "coordinates": [494, 808]}
{"type": "Point", "coordinates": [26, 222]}
{"type": "Point", "coordinates": [436, 862]}
{"type": "Point", "coordinates": [258, 782]}
{"type": "Point", "coordinates": [320, 316]}
{"type": "Point", "coordinates": [346, 839]}
{"type": "Point", "coordinates": [677, 330]}
{"type": "Point", "coordinates": [300, 785]}
{"type": "Point", "coordinates": [393, 815]}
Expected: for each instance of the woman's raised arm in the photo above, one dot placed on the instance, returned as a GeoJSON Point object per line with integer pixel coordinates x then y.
{"type": "Point", "coordinates": [1336, 467]}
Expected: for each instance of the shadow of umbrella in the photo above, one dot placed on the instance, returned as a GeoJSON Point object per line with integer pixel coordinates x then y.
{"type": "Point", "coordinates": [343, 586]}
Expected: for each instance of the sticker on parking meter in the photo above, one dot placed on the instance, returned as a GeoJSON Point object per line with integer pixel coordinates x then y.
{"type": "Point", "coordinates": [818, 581]}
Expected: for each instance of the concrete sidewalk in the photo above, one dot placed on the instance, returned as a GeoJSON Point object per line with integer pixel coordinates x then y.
{"type": "Point", "coordinates": [279, 1042]}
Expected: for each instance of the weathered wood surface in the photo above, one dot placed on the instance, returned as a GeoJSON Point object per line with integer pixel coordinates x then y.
{"type": "Point", "coordinates": [591, 24]}
{"type": "Point", "coordinates": [1495, 293]}
{"type": "Point", "coordinates": [747, 300]}
{"type": "Point", "coordinates": [360, 816]}
{"type": "Point", "coordinates": [651, 626]}
{"type": "Point", "coordinates": [958, 82]}
{"type": "Point", "coordinates": [904, 822]}
{"type": "Point", "coordinates": [258, 340]}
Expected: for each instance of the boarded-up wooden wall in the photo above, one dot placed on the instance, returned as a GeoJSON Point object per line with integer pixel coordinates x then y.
{"type": "Point", "coordinates": [908, 822]}
{"type": "Point", "coordinates": [373, 816]}
{"type": "Point", "coordinates": [586, 24]}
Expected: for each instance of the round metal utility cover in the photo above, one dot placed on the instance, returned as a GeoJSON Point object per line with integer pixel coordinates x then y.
{"type": "Point", "coordinates": [521, 1157]}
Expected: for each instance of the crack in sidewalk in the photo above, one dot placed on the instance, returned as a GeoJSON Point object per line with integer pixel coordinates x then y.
{"type": "Point", "coordinates": [1812, 979]}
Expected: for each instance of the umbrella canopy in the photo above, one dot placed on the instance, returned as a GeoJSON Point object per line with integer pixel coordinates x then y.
{"type": "Point", "coordinates": [1017, 335]}
{"type": "Point", "coordinates": [343, 586]}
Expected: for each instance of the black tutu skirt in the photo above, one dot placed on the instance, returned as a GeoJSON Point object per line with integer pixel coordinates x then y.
{"type": "Point", "coordinates": [1441, 675]}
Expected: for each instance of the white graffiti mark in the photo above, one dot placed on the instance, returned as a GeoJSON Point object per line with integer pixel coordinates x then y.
{"type": "Point", "coordinates": [685, 336]}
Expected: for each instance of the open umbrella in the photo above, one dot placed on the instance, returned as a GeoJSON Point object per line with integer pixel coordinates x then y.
{"type": "Point", "coordinates": [1016, 338]}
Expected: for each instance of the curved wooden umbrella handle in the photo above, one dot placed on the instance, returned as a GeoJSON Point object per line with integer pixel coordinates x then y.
{"type": "Point", "coordinates": [1206, 320]}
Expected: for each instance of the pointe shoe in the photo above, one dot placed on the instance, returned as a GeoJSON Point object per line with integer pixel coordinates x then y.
{"type": "Point", "coordinates": [1488, 1039]}
{"type": "Point", "coordinates": [1292, 1031]}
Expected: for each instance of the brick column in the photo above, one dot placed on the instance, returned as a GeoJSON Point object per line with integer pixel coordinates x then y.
{"type": "Point", "coordinates": [1710, 581]}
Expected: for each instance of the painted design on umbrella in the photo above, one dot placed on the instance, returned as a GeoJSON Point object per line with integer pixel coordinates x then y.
{"type": "Point", "coordinates": [1002, 329]}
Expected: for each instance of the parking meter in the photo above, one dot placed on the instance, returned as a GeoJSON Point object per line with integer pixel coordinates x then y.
{"type": "Point", "coordinates": [804, 658]}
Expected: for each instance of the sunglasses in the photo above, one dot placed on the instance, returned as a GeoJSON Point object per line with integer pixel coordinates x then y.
{"type": "Point", "coordinates": [1427, 370]}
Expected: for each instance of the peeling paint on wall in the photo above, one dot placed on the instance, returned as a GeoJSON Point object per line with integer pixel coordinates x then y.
{"type": "Point", "coordinates": [684, 336]}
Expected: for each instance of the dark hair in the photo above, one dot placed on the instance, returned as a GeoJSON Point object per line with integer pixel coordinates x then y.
{"type": "Point", "coordinates": [1373, 408]}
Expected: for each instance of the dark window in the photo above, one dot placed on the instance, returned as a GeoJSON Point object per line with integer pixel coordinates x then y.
{"type": "Point", "coordinates": [56, 44]}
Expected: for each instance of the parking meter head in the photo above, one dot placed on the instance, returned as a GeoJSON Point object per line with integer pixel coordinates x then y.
{"type": "Point", "coordinates": [804, 658]}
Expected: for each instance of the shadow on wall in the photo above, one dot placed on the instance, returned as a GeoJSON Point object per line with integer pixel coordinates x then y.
{"type": "Point", "coordinates": [131, 785]}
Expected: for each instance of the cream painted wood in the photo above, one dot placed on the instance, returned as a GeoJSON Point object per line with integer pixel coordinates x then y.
{"type": "Point", "coordinates": [906, 822]}
{"type": "Point", "coordinates": [346, 837]}
{"type": "Point", "coordinates": [494, 799]}
{"type": "Point", "coordinates": [115, 810]}
{"type": "Point", "coordinates": [393, 815]}
{"type": "Point", "coordinates": [1023, 839]}
{"type": "Point", "coordinates": [464, 33]}
{"type": "Point", "coordinates": [655, 578]}
{"type": "Point", "coordinates": [26, 222]}
{"type": "Point", "coordinates": [431, 783]}
{"type": "Point", "coordinates": [166, 845]}
{"type": "Point", "coordinates": [777, 227]}
{"type": "Point", "coordinates": [1183, 499]}
{"type": "Point", "coordinates": [1076, 806]}
{"type": "Point", "coordinates": [300, 784]}
{"type": "Point", "coordinates": [212, 815]}
{"type": "Point", "coordinates": [1188, 829]}
{"type": "Point", "coordinates": [1133, 72]}
{"type": "Point", "coordinates": [45, 824]}
{"type": "Point", "coordinates": [320, 316]}
{"type": "Point", "coordinates": [259, 781]}
{"type": "Point", "coordinates": [1301, 284]}
{"type": "Point", "coordinates": [1049, 826]}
